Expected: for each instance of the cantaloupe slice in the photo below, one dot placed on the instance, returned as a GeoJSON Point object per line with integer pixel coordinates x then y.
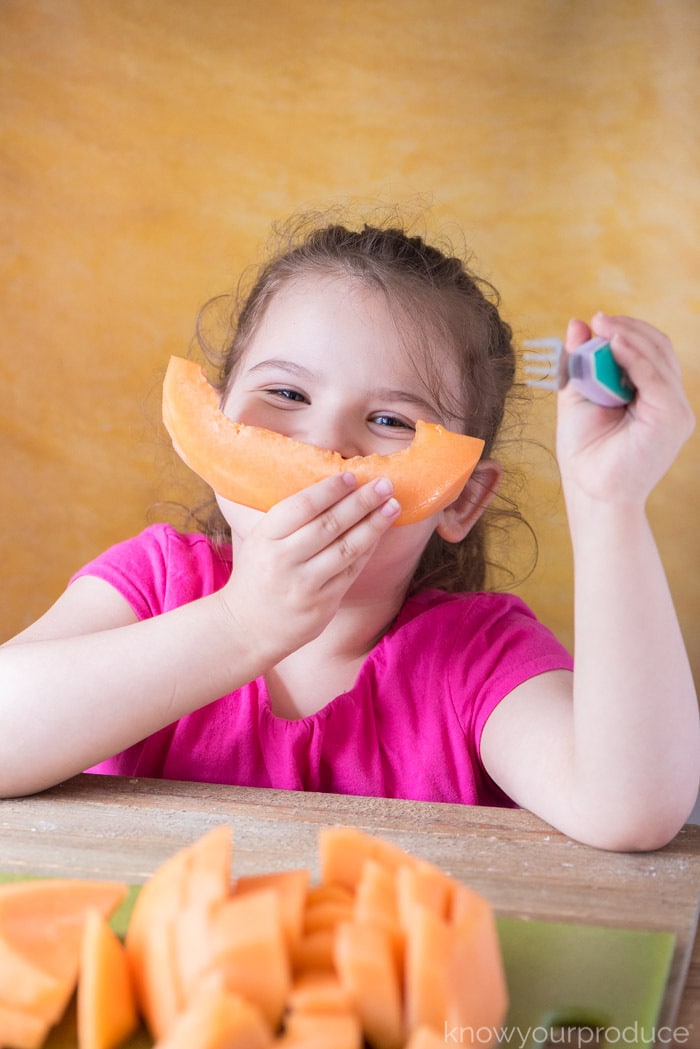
{"type": "Point", "coordinates": [428, 948]}
{"type": "Point", "coordinates": [218, 1019]}
{"type": "Point", "coordinates": [207, 883]}
{"type": "Point", "coordinates": [326, 914]}
{"type": "Point", "coordinates": [366, 967]}
{"type": "Point", "coordinates": [151, 945]}
{"type": "Point", "coordinates": [426, 1038]}
{"type": "Point", "coordinates": [291, 887]}
{"type": "Point", "coordinates": [343, 851]}
{"type": "Point", "coordinates": [481, 1001]}
{"type": "Point", "coordinates": [258, 467]}
{"type": "Point", "coordinates": [41, 927]}
{"type": "Point", "coordinates": [178, 893]}
{"type": "Point", "coordinates": [21, 1030]}
{"type": "Point", "coordinates": [319, 992]}
{"type": "Point", "coordinates": [376, 905]}
{"type": "Point", "coordinates": [247, 945]}
{"type": "Point", "coordinates": [313, 952]}
{"type": "Point", "coordinates": [106, 1008]}
{"type": "Point", "coordinates": [311, 1030]}
{"type": "Point", "coordinates": [423, 884]}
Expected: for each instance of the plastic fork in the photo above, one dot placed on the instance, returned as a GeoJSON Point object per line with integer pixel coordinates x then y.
{"type": "Point", "coordinates": [591, 368]}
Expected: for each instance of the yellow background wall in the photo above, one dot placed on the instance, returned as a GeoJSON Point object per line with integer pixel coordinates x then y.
{"type": "Point", "coordinates": [145, 149]}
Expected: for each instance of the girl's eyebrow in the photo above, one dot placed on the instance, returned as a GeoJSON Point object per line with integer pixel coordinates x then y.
{"type": "Point", "coordinates": [385, 393]}
{"type": "Point", "coordinates": [288, 366]}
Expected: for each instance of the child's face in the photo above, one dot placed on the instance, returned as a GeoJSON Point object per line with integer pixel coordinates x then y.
{"type": "Point", "coordinates": [327, 365]}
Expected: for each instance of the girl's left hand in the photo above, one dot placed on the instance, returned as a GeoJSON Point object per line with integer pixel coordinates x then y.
{"type": "Point", "coordinates": [620, 454]}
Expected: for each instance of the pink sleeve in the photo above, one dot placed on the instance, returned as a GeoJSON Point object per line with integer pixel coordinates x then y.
{"type": "Point", "coordinates": [512, 647]}
{"type": "Point", "coordinates": [161, 569]}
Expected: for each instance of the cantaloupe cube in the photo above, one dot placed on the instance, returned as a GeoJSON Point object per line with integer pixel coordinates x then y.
{"type": "Point", "coordinates": [41, 925]}
{"type": "Point", "coordinates": [151, 946]}
{"type": "Point", "coordinates": [321, 1031]}
{"type": "Point", "coordinates": [21, 1030]}
{"type": "Point", "coordinates": [248, 946]}
{"type": "Point", "coordinates": [217, 1019]}
{"type": "Point", "coordinates": [427, 950]}
{"type": "Point", "coordinates": [292, 888]}
{"type": "Point", "coordinates": [319, 992]}
{"type": "Point", "coordinates": [366, 967]}
{"type": "Point", "coordinates": [479, 1000]}
{"type": "Point", "coordinates": [343, 851]}
{"type": "Point", "coordinates": [106, 998]}
{"type": "Point", "coordinates": [314, 952]}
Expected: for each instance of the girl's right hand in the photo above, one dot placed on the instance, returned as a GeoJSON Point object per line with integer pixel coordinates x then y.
{"type": "Point", "coordinates": [293, 569]}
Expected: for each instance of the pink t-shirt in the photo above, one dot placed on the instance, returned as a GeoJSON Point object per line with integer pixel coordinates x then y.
{"type": "Point", "coordinates": [409, 728]}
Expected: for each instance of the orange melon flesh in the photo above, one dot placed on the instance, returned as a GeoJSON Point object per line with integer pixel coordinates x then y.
{"type": "Point", "coordinates": [248, 947]}
{"type": "Point", "coordinates": [364, 960]}
{"type": "Point", "coordinates": [218, 1019]}
{"type": "Point", "coordinates": [41, 928]}
{"type": "Point", "coordinates": [151, 945]}
{"type": "Point", "coordinates": [291, 887]}
{"type": "Point", "coordinates": [106, 1000]}
{"type": "Point", "coordinates": [22, 1030]}
{"type": "Point", "coordinates": [258, 467]}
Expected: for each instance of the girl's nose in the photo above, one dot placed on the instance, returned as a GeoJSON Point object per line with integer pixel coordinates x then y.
{"type": "Point", "coordinates": [337, 436]}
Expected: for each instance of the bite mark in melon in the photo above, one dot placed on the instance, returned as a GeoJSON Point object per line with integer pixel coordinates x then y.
{"type": "Point", "coordinates": [258, 467]}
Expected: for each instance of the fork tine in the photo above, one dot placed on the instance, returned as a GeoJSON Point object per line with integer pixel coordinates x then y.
{"type": "Point", "coordinates": [541, 369]}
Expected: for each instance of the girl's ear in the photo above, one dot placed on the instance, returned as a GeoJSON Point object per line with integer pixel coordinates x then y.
{"type": "Point", "coordinates": [456, 520]}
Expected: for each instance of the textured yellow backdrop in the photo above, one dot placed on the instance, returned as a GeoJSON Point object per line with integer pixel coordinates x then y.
{"type": "Point", "coordinates": [146, 147]}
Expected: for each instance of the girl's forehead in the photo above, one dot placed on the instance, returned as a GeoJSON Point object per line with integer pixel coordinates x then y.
{"type": "Point", "coordinates": [346, 307]}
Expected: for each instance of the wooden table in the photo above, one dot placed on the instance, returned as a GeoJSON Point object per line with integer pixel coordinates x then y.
{"type": "Point", "coordinates": [96, 826]}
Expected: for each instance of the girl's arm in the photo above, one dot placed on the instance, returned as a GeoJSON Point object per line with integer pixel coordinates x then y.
{"type": "Point", "coordinates": [88, 680]}
{"type": "Point", "coordinates": [612, 757]}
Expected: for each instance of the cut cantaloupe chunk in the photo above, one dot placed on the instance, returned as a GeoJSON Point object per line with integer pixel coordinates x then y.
{"type": "Point", "coordinates": [426, 1038]}
{"type": "Point", "coordinates": [481, 1001]}
{"type": "Point", "coordinates": [376, 905]}
{"type": "Point", "coordinates": [247, 946]}
{"type": "Point", "coordinates": [319, 992]}
{"type": "Point", "coordinates": [311, 1030]}
{"type": "Point", "coordinates": [106, 1007]}
{"type": "Point", "coordinates": [151, 947]}
{"type": "Point", "coordinates": [423, 884]}
{"type": "Point", "coordinates": [428, 947]}
{"type": "Point", "coordinates": [258, 468]}
{"type": "Point", "coordinates": [314, 952]}
{"type": "Point", "coordinates": [207, 883]}
{"type": "Point", "coordinates": [27, 987]}
{"type": "Point", "coordinates": [343, 851]}
{"type": "Point", "coordinates": [366, 966]}
{"type": "Point", "coordinates": [292, 887]}
{"type": "Point", "coordinates": [21, 1030]}
{"type": "Point", "coordinates": [326, 914]}
{"type": "Point", "coordinates": [41, 926]}
{"type": "Point", "coordinates": [218, 1019]}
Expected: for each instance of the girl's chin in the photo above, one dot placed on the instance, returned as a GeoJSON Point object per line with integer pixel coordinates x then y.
{"type": "Point", "coordinates": [240, 519]}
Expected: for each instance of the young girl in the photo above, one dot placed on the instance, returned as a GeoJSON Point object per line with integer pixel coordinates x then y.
{"type": "Point", "coordinates": [321, 648]}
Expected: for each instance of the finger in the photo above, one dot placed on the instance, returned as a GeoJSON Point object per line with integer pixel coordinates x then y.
{"type": "Point", "coordinates": [342, 560]}
{"type": "Point", "coordinates": [297, 510]}
{"type": "Point", "coordinates": [577, 333]}
{"type": "Point", "coordinates": [334, 523]}
{"type": "Point", "coordinates": [641, 336]}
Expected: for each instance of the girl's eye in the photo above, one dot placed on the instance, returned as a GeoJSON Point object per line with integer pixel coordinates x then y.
{"type": "Point", "coordinates": [286, 394]}
{"type": "Point", "coordinates": [392, 421]}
